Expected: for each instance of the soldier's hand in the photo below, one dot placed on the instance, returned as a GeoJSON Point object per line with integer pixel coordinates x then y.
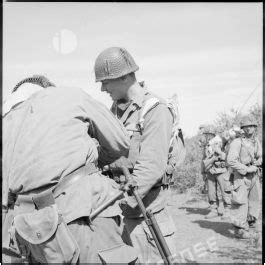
{"type": "Point", "coordinates": [105, 168]}
{"type": "Point", "coordinates": [252, 169]}
{"type": "Point", "coordinates": [214, 158]}
{"type": "Point", "coordinates": [129, 201]}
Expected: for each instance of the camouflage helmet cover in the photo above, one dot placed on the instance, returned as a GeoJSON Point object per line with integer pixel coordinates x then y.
{"type": "Point", "coordinates": [248, 121]}
{"type": "Point", "coordinates": [209, 129]}
{"type": "Point", "coordinates": [202, 126]}
{"type": "Point", "coordinates": [114, 62]}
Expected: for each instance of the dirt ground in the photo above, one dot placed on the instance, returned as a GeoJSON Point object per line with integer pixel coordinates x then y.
{"type": "Point", "coordinates": [203, 240]}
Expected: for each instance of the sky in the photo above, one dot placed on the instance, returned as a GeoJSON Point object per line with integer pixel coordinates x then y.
{"type": "Point", "coordinates": [209, 54]}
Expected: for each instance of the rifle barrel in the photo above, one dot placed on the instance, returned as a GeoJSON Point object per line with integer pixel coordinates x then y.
{"type": "Point", "coordinates": [105, 205]}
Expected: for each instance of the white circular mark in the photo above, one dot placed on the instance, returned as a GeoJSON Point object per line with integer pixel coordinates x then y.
{"type": "Point", "coordinates": [65, 41]}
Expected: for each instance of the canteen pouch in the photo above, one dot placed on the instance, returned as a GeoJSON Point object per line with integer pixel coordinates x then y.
{"type": "Point", "coordinates": [44, 236]}
{"type": "Point", "coordinates": [166, 226]}
{"type": "Point", "coordinates": [239, 192]}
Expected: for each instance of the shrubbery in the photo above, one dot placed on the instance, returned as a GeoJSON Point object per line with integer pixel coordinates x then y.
{"type": "Point", "coordinates": [188, 175]}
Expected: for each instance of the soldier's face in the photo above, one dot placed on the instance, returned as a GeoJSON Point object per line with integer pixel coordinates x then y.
{"type": "Point", "coordinates": [114, 87]}
{"type": "Point", "coordinates": [208, 136]}
{"type": "Point", "coordinates": [249, 130]}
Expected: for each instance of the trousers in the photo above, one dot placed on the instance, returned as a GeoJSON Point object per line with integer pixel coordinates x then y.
{"type": "Point", "coordinates": [248, 190]}
{"type": "Point", "coordinates": [136, 233]}
{"type": "Point", "coordinates": [217, 187]}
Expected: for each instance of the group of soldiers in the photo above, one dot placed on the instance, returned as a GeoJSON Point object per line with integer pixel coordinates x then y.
{"type": "Point", "coordinates": [65, 156]}
{"type": "Point", "coordinates": [231, 168]}
{"type": "Point", "coordinates": [62, 150]}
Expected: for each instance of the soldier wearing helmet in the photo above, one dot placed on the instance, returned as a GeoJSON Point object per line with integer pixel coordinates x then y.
{"type": "Point", "coordinates": [216, 174]}
{"type": "Point", "coordinates": [148, 155]}
{"type": "Point", "coordinates": [51, 182]}
{"type": "Point", "coordinates": [203, 144]}
{"type": "Point", "coordinates": [245, 158]}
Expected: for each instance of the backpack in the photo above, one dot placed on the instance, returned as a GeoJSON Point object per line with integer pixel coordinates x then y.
{"type": "Point", "coordinates": [177, 150]}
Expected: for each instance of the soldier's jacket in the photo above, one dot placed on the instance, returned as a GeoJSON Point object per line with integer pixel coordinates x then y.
{"type": "Point", "coordinates": [148, 152]}
{"type": "Point", "coordinates": [49, 136]}
{"type": "Point", "coordinates": [214, 167]}
{"type": "Point", "coordinates": [242, 152]}
{"type": "Point", "coordinates": [203, 172]}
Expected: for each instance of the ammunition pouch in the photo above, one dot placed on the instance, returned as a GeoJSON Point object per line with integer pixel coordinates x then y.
{"type": "Point", "coordinates": [39, 228]}
{"type": "Point", "coordinates": [165, 223]}
{"type": "Point", "coordinates": [43, 235]}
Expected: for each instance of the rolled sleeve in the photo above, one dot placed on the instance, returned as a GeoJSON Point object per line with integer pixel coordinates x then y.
{"type": "Point", "coordinates": [233, 157]}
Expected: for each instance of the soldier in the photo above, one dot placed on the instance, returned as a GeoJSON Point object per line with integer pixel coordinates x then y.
{"type": "Point", "coordinates": [203, 144]}
{"type": "Point", "coordinates": [244, 157]}
{"type": "Point", "coordinates": [149, 147]}
{"type": "Point", "coordinates": [53, 141]}
{"type": "Point", "coordinates": [217, 174]}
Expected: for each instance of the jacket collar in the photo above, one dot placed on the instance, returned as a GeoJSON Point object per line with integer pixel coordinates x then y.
{"type": "Point", "coordinates": [137, 100]}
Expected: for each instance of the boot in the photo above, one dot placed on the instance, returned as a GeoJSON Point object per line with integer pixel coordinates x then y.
{"type": "Point", "coordinates": [241, 233]}
{"type": "Point", "coordinates": [255, 225]}
{"type": "Point", "coordinates": [212, 214]}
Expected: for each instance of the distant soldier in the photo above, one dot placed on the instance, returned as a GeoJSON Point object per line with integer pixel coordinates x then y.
{"type": "Point", "coordinates": [215, 168]}
{"type": "Point", "coordinates": [203, 144]}
{"type": "Point", "coordinates": [245, 158]}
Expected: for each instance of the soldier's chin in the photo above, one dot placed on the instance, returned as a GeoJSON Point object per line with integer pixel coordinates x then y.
{"type": "Point", "coordinates": [113, 98]}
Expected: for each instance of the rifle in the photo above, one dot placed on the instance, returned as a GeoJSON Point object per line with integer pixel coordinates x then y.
{"type": "Point", "coordinates": [150, 221]}
{"type": "Point", "coordinates": [105, 205]}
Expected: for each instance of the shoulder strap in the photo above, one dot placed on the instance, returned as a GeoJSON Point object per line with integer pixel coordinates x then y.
{"type": "Point", "coordinates": [148, 104]}
{"type": "Point", "coordinates": [240, 149]}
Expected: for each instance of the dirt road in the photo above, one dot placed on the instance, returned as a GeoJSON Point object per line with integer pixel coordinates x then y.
{"type": "Point", "coordinates": [202, 240]}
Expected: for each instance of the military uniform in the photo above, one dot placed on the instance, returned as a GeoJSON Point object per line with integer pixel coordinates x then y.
{"type": "Point", "coordinates": [47, 139]}
{"type": "Point", "coordinates": [217, 175]}
{"type": "Point", "coordinates": [203, 173]}
{"type": "Point", "coordinates": [246, 194]}
{"type": "Point", "coordinates": [147, 159]}
{"type": "Point", "coordinates": [150, 122]}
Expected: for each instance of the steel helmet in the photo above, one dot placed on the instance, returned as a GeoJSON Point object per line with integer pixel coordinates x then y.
{"type": "Point", "coordinates": [113, 63]}
{"type": "Point", "coordinates": [209, 129]}
{"type": "Point", "coordinates": [202, 126]}
{"type": "Point", "coordinates": [248, 121]}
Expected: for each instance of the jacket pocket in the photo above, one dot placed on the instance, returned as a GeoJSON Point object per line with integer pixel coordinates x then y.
{"type": "Point", "coordinates": [239, 192]}
{"type": "Point", "coordinates": [46, 236]}
{"type": "Point", "coordinates": [123, 254]}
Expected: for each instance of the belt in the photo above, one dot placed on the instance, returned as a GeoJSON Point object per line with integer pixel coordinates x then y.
{"type": "Point", "coordinates": [73, 177]}
{"type": "Point", "coordinates": [45, 198]}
